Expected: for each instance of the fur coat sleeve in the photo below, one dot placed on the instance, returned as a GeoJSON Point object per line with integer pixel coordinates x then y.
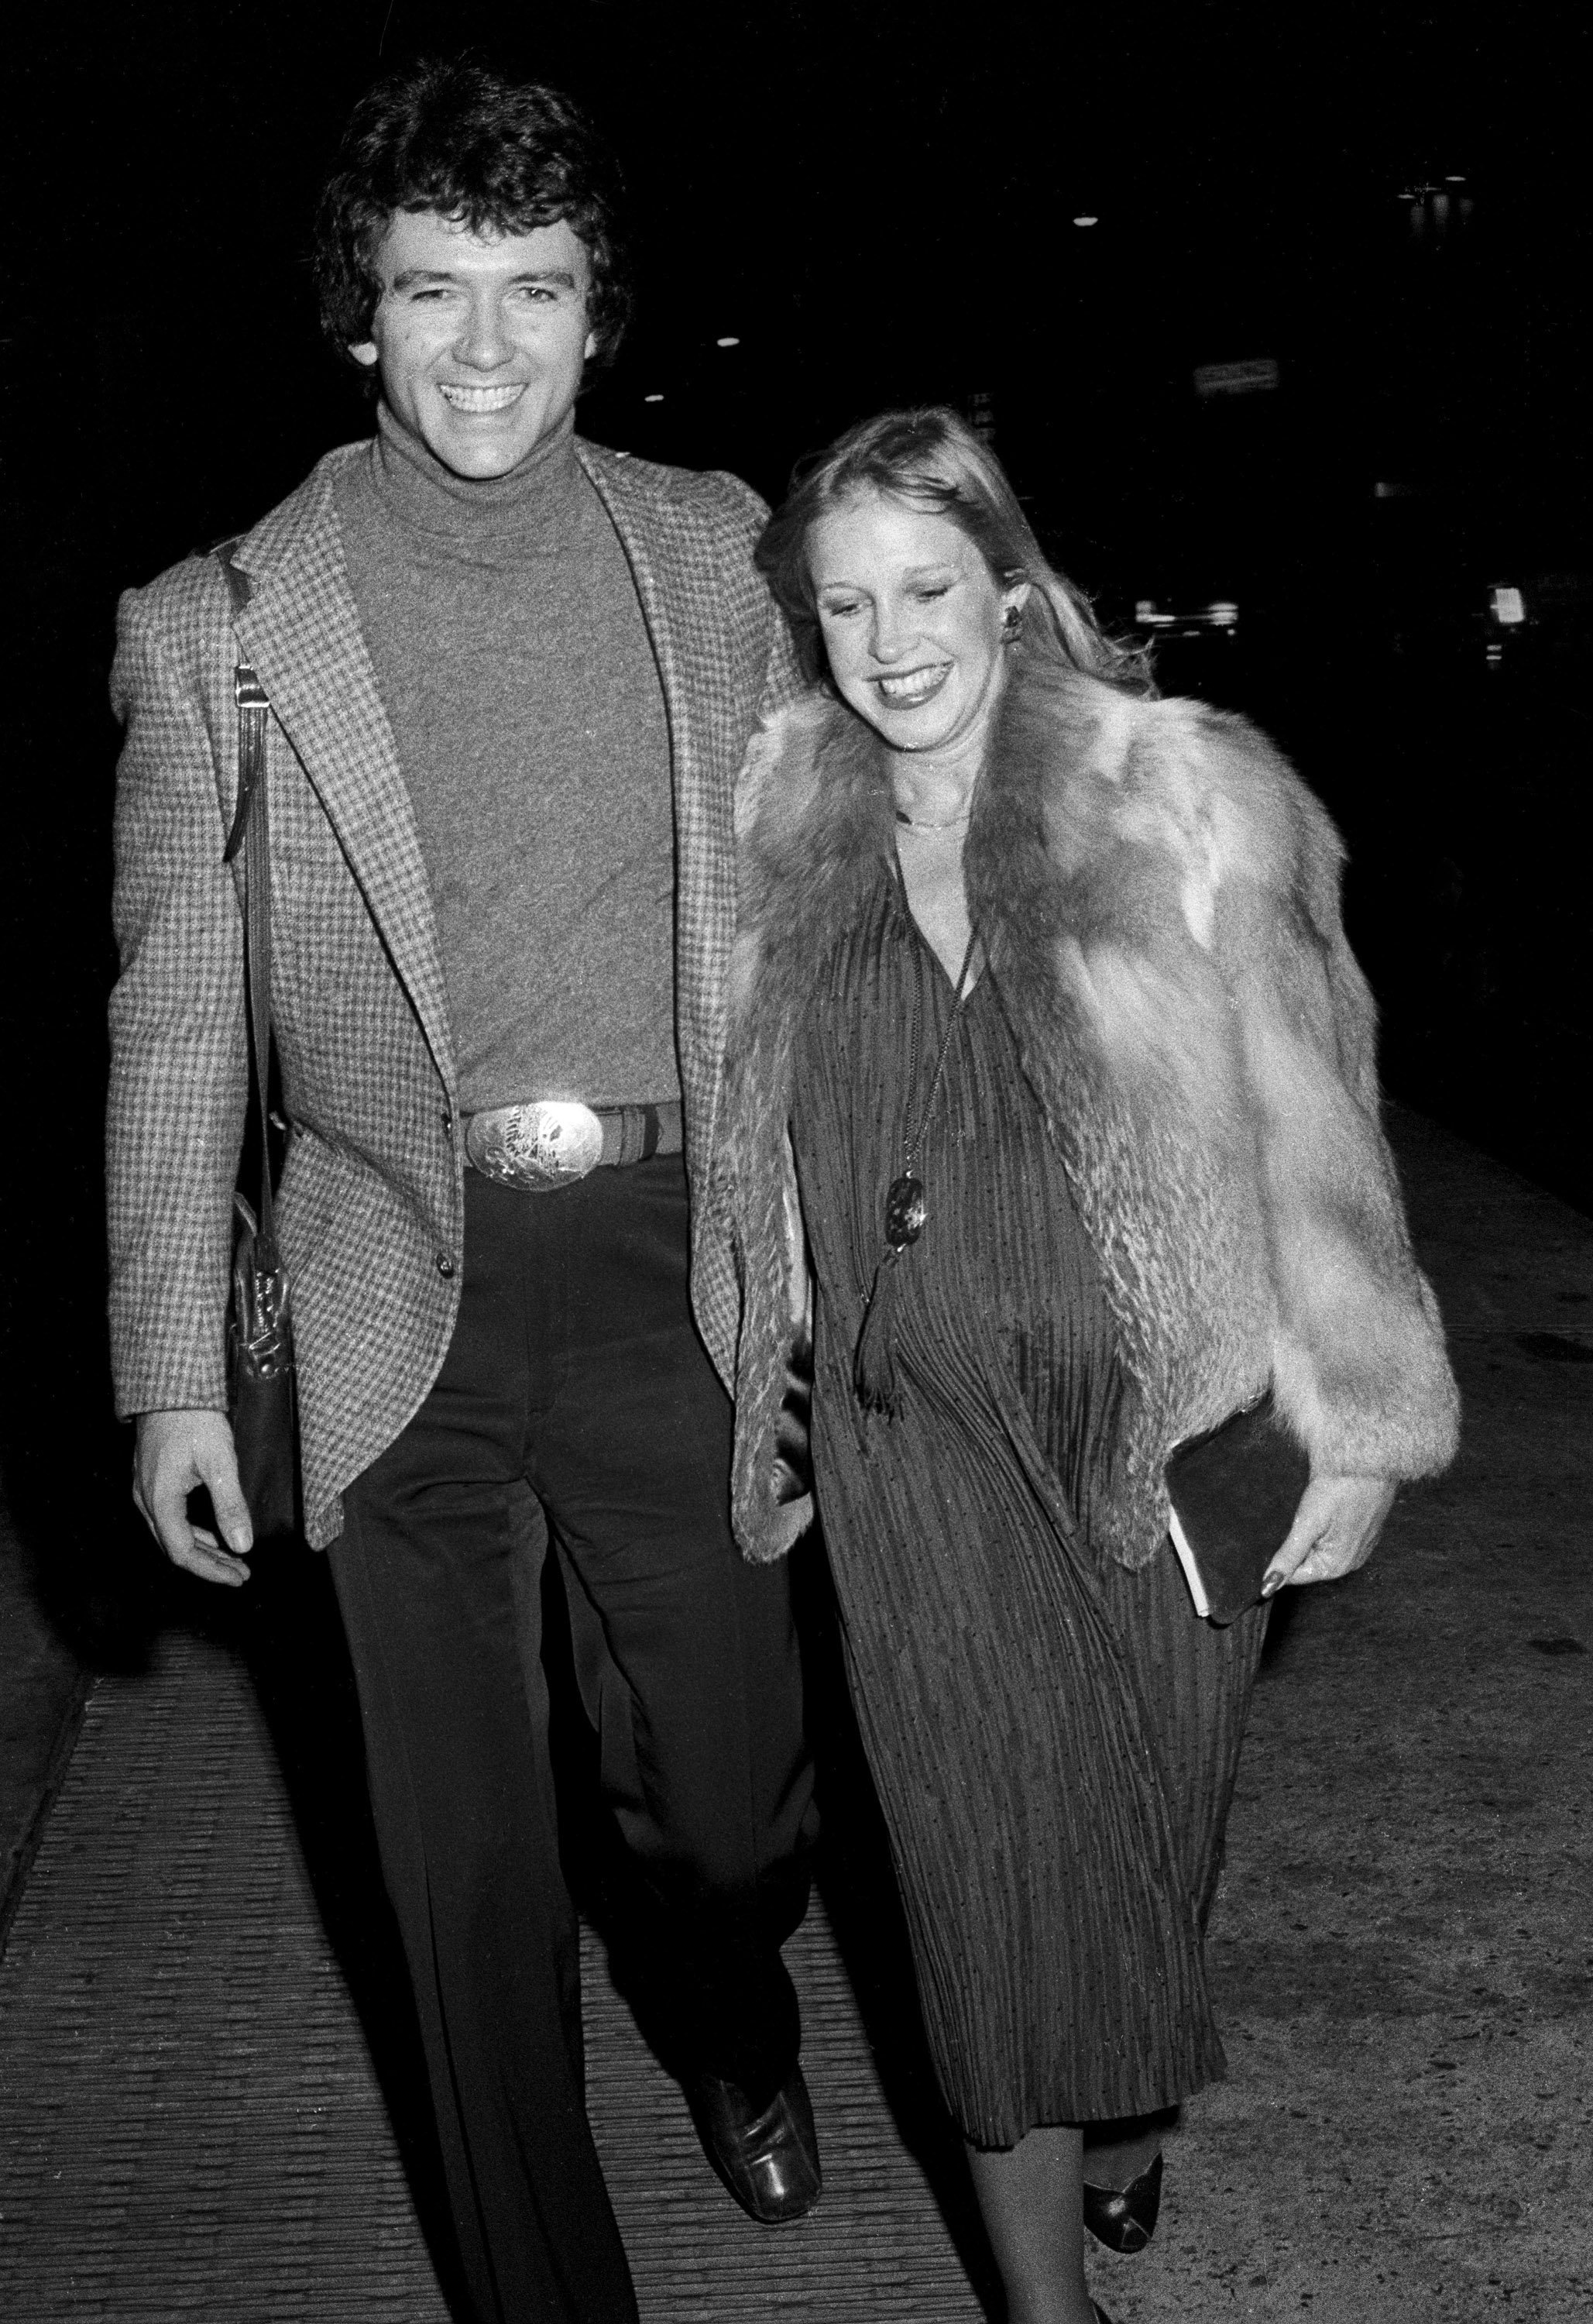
{"type": "Point", "coordinates": [1230, 1000]}
{"type": "Point", "coordinates": [1159, 897]}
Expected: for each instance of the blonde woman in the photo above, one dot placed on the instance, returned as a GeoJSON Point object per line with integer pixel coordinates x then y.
{"type": "Point", "coordinates": [1050, 1068]}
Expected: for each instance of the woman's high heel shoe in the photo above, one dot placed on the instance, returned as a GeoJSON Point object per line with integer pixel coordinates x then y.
{"type": "Point", "coordinates": [1125, 2222]}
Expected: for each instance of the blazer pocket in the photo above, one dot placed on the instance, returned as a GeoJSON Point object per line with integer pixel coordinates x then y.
{"type": "Point", "coordinates": [317, 1179]}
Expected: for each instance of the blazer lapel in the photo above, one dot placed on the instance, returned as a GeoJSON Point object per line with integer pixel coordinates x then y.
{"type": "Point", "coordinates": [301, 632]}
{"type": "Point", "coordinates": [675, 596]}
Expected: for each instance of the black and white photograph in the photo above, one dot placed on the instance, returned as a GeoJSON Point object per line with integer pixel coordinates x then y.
{"type": "Point", "coordinates": [797, 1429]}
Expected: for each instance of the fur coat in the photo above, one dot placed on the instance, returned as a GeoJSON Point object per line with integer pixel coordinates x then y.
{"type": "Point", "coordinates": [1158, 897]}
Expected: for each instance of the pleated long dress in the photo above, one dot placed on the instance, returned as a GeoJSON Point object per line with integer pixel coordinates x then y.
{"type": "Point", "coordinates": [1053, 1737]}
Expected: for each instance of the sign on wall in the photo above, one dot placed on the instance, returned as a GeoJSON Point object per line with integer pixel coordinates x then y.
{"type": "Point", "coordinates": [1259, 376]}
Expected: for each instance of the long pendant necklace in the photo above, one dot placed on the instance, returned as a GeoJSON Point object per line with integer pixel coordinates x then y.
{"type": "Point", "coordinates": [906, 1213]}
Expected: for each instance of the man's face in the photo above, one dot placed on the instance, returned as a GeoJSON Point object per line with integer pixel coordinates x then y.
{"type": "Point", "coordinates": [480, 338]}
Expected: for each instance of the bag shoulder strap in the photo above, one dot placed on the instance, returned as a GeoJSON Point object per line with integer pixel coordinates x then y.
{"type": "Point", "coordinates": [253, 706]}
{"type": "Point", "coordinates": [252, 831]}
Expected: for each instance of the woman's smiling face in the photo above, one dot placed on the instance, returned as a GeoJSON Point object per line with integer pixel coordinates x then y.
{"type": "Point", "coordinates": [911, 619]}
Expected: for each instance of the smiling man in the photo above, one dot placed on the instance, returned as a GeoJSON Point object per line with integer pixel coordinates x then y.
{"type": "Point", "coordinates": [512, 676]}
{"type": "Point", "coordinates": [480, 338]}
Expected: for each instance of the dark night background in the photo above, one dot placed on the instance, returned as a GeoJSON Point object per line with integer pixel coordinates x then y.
{"type": "Point", "coordinates": [878, 202]}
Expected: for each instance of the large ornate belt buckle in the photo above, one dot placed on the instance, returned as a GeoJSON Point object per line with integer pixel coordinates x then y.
{"type": "Point", "coordinates": [537, 1146]}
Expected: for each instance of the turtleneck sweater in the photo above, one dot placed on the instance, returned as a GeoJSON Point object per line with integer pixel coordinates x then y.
{"type": "Point", "coordinates": [510, 654]}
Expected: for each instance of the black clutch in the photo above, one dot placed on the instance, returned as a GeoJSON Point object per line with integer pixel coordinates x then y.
{"type": "Point", "coordinates": [1234, 1492]}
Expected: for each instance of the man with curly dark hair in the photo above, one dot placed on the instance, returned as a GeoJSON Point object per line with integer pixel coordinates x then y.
{"type": "Point", "coordinates": [512, 677]}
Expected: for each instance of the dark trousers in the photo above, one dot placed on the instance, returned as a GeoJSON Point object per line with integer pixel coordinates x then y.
{"type": "Point", "coordinates": [575, 1381]}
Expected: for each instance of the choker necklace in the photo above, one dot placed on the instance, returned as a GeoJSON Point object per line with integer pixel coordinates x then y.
{"type": "Point", "coordinates": [917, 822]}
{"type": "Point", "coordinates": [906, 1213]}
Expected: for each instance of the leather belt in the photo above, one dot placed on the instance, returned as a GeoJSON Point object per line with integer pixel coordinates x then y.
{"type": "Point", "coordinates": [553, 1141]}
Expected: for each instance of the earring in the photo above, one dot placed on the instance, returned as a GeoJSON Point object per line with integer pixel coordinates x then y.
{"type": "Point", "coordinates": [1011, 624]}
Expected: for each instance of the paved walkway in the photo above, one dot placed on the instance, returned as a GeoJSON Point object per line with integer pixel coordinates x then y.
{"type": "Point", "coordinates": [204, 2056]}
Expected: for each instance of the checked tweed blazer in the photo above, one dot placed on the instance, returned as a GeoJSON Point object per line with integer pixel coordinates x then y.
{"type": "Point", "coordinates": [372, 1200]}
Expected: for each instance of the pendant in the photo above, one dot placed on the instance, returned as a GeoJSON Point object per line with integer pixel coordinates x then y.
{"type": "Point", "coordinates": [905, 1211]}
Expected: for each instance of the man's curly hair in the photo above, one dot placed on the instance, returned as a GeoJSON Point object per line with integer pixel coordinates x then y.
{"type": "Point", "coordinates": [502, 156]}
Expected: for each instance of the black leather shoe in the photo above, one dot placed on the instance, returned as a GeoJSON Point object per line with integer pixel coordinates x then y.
{"type": "Point", "coordinates": [1125, 2222]}
{"type": "Point", "coordinates": [768, 2156]}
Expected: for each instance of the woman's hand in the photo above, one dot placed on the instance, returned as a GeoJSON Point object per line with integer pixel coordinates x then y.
{"type": "Point", "coordinates": [1335, 1530]}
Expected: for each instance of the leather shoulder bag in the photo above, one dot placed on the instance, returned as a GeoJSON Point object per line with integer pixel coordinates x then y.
{"type": "Point", "coordinates": [261, 1389]}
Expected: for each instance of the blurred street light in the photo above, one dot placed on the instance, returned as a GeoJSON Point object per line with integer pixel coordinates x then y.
{"type": "Point", "coordinates": [1433, 210]}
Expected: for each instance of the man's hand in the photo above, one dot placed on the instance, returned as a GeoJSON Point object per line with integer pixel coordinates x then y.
{"type": "Point", "coordinates": [1335, 1530]}
{"type": "Point", "coordinates": [176, 1452]}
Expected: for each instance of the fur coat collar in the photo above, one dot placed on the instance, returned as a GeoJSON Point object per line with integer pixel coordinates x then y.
{"type": "Point", "coordinates": [1158, 897]}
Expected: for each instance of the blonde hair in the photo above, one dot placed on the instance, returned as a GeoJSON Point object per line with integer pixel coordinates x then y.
{"type": "Point", "coordinates": [931, 458]}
